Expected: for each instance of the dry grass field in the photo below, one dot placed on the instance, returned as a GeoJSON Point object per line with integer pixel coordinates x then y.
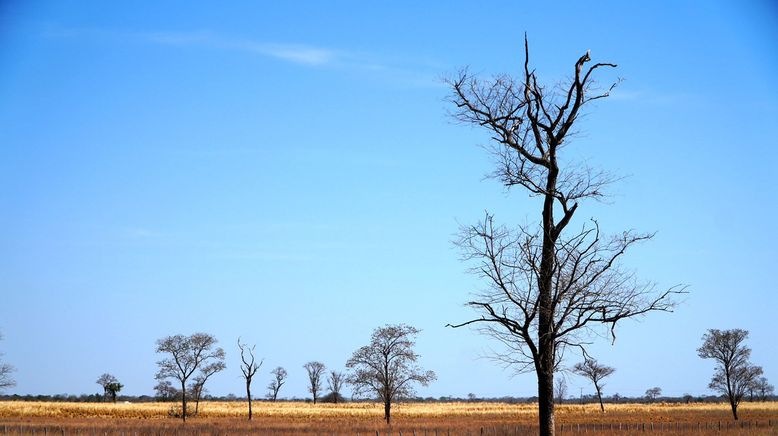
{"type": "Point", "coordinates": [228, 418]}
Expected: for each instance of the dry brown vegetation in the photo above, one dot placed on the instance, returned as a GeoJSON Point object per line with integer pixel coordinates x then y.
{"type": "Point", "coordinates": [228, 418]}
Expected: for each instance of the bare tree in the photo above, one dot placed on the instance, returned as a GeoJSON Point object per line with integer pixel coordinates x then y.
{"type": "Point", "coordinates": [595, 372]}
{"type": "Point", "coordinates": [198, 383]}
{"type": "Point", "coordinates": [315, 371]}
{"type": "Point", "coordinates": [248, 367]}
{"type": "Point", "coordinates": [279, 378]}
{"type": "Point", "coordinates": [763, 389]}
{"type": "Point", "coordinates": [734, 374]}
{"type": "Point", "coordinates": [111, 386]}
{"type": "Point", "coordinates": [653, 393]}
{"type": "Point", "coordinates": [6, 380]}
{"type": "Point", "coordinates": [335, 382]}
{"type": "Point", "coordinates": [560, 389]}
{"type": "Point", "coordinates": [546, 290]}
{"type": "Point", "coordinates": [387, 366]}
{"type": "Point", "coordinates": [184, 356]}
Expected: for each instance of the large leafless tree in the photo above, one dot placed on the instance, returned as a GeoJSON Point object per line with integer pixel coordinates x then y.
{"type": "Point", "coordinates": [595, 372]}
{"type": "Point", "coordinates": [387, 366]}
{"type": "Point", "coordinates": [734, 373]}
{"type": "Point", "coordinates": [185, 355]}
{"type": "Point", "coordinates": [548, 286]}
{"type": "Point", "coordinates": [315, 372]}
{"type": "Point", "coordinates": [6, 379]}
{"type": "Point", "coordinates": [279, 378]}
{"type": "Point", "coordinates": [248, 368]}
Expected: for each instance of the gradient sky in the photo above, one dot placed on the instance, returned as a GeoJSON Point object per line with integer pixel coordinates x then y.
{"type": "Point", "coordinates": [286, 172]}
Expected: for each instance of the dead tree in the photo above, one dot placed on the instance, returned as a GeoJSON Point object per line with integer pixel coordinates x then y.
{"type": "Point", "coordinates": [335, 384]}
{"type": "Point", "coordinates": [387, 366]}
{"type": "Point", "coordinates": [734, 374]}
{"type": "Point", "coordinates": [279, 378]}
{"type": "Point", "coordinates": [315, 371]}
{"type": "Point", "coordinates": [248, 367]}
{"type": "Point", "coordinates": [546, 290]}
{"type": "Point", "coordinates": [595, 372]}
{"type": "Point", "coordinates": [184, 356]}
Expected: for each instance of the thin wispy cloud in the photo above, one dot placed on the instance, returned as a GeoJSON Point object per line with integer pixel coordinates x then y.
{"type": "Point", "coordinates": [296, 53]}
{"type": "Point", "coordinates": [403, 69]}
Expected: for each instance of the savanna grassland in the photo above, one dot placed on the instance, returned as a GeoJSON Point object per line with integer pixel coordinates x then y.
{"type": "Point", "coordinates": [229, 418]}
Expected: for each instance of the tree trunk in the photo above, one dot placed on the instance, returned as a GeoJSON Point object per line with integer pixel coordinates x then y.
{"type": "Point", "coordinates": [599, 397]}
{"type": "Point", "coordinates": [183, 401]}
{"type": "Point", "coordinates": [734, 409]}
{"type": "Point", "coordinates": [544, 366]}
{"type": "Point", "coordinates": [248, 395]}
{"type": "Point", "coordinates": [388, 411]}
{"type": "Point", "coordinates": [546, 403]}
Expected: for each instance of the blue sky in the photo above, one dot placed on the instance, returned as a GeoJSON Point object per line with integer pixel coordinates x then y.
{"type": "Point", "coordinates": [287, 173]}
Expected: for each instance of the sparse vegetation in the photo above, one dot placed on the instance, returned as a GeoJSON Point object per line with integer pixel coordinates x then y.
{"type": "Point", "coordinates": [458, 418]}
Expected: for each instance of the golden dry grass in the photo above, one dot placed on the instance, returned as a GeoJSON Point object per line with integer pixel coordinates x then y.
{"type": "Point", "coordinates": [366, 418]}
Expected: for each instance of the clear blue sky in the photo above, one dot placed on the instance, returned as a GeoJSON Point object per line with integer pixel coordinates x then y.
{"type": "Point", "coordinates": [286, 172]}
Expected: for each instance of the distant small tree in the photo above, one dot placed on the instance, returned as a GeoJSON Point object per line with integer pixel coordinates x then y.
{"type": "Point", "coordinates": [471, 397]}
{"type": "Point", "coordinates": [165, 391]}
{"type": "Point", "coordinates": [387, 366]}
{"type": "Point", "coordinates": [763, 389]}
{"type": "Point", "coordinates": [279, 378]}
{"type": "Point", "coordinates": [315, 371]}
{"type": "Point", "coordinates": [653, 393]}
{"type": "Point", "coordinates": [560, 389]}
{"type": "Point", "coordinates": [111, 386]}
{"type": "Point", "coordinates": [184, 356]}
{"type": "Point", "coordinates": [6, 380]}
{"type": "Point", "coordinates": [335, 384]}
{"type": "Point", "coordinates": [734, 374]}
{"type": "Point", "coordinates": [687, 398]}
{"type": "Point", "coordinates": [248, 367]}
{"type": "Point", "coordinates": [595, 372]}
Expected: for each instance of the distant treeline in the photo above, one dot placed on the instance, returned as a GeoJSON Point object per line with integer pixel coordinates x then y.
{"type": "Point", "coordinates": [586, 399]}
